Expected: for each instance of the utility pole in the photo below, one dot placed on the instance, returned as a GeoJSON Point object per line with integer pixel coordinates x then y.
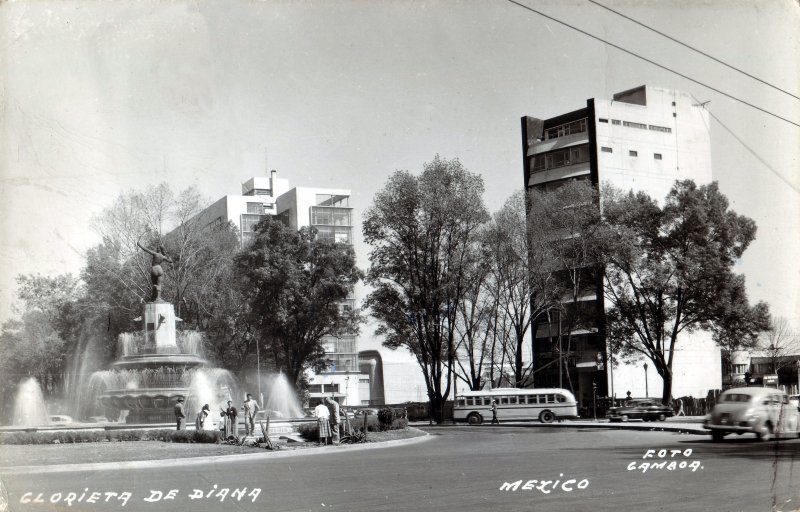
{"type": "Point", "coordinates": [646, 388]}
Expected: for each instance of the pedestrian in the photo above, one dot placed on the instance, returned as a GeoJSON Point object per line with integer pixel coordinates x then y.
{"type": "Point", "coordinates": [200, 420]}
{"type": "Point", "coordinates": [333, 409]}
{"type": "Point", "coordinates": [494, 413]}
{"type": "Point", "coordinates": [323, 422]}
{"type": "Point", "coordinates": [231, 427]}
{"type": "Point", "coordinates": [180, 415]}
{"type": "Point", "coordinates": [680, 408]}
{"type": "Point", "coordinates": [250, 410]}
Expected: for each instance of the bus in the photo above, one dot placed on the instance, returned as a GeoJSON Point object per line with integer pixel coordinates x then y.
{"type": "Point", "coordinates": [516, 404]}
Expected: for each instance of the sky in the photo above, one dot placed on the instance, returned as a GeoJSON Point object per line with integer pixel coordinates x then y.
{"type": "Point", "coordinates": [102, 97]}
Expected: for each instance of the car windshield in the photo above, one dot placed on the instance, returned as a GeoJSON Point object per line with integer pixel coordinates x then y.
{"type": "Point", "coordinates": [736, 397]}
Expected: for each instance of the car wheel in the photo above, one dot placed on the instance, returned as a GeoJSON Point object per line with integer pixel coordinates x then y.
{"type": "Point", "coordinates": [624, 417]}
{"type": "Point", "coordinates": [662, 417]}
{"type": "Point", "coordinates": [475, 419]}
{"type": "Point", "coordinates": [546, 417]}
{"type": "Point", "coordinates": [765, 432]}
{"type": "Point", "coordinates": [717, 436]}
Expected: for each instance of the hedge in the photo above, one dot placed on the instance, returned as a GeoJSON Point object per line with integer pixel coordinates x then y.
{"type": "Point", "coordinates": [310, 431]}
{"type": "Point", "coordinates": [99, 436]}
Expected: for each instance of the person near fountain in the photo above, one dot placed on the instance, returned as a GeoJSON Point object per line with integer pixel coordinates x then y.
{"type": "Point", "coordinates": [323, 422]}
{"type": "Point", "coordinates": [333, 409]}
{"type": "Point", "coordinates": [156, 272]}
{"type": "Point", "coordinates": [230, 421]}
{"type": "Point", "coordinates": [250, 409]}
{"type": "Point", "coordinates": [180, 415]}
{"type": "Point", "coordinates": [202, 417]}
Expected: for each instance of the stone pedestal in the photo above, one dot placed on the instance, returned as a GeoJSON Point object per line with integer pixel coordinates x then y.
{"type": "Point", "coordinates": [159, 327]}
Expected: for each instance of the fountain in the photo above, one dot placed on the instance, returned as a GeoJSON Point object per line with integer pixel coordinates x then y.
{"type": "Point", "coordinates": [29, 407]}
{"type": "Point", "coordinates": [157, 365]}
{"type": "Point", "coordinates": [282, 397]}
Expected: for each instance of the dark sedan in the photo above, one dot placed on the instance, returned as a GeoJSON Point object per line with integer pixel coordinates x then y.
{"type": "Point", "coordinates": [645, 410]}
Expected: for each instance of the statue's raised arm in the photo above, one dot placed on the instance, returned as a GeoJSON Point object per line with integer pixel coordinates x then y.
{"type": "Point", "coordinates": [156, 272]}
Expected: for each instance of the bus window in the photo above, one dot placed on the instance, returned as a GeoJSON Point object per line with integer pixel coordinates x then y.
{"type": "Point", "coordinates": [461, 402]}
{"type": "Point", "coordinates": [512, 400]}
{"type": "Point", "coordinates": [521, 399]}
{"type": "Point", "coordinates": [551, 399]}
{"type": "Point", "coordinates": [537, 399]}
{"type": "Point", "coordinates": [561, 398]}
{"type": "Point", "coordinates": [504, 400]}
{"type": "Point", "coordinates": [479, 400]}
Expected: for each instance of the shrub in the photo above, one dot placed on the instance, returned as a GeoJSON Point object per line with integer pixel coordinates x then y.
{"type": "Point", "coordinates": [92, 436]}
{"type": "Point", "coordinates": [309, 431]}
{"type": "Point", "coordinates": [386, 417]}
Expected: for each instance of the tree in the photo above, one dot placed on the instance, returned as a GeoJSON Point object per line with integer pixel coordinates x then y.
{"type": "Point", "coordinates": [294, 284]}
{"type": "Point", "coordinates": [38, 343]}
{"type": "Point", "coordinates": [423, 231]}
{"type": "Point", "coordinates": [669, 270]}
{"type": "Point", "coordinates": [778, 344]}
{"type": "Point", "coordinates": [564, 235]}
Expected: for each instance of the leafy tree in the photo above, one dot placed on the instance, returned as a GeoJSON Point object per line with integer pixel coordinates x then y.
{"type": "Point", "coordinates": [669, 271]}
{"type": "Point", "coordinates": [293, 285]}
{"type": "Point", "coordinates": [423, 230]}
{"type": "Point", "coordinates": [217, 305]}
{"type": "Point", "coordinates": [38, 343]}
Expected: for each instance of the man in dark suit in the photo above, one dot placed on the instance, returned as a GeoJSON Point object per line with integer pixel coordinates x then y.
{"type": "Point", "coordinates": [180, 415]}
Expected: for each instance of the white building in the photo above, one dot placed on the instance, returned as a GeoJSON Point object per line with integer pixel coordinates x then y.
{"type": "Point", "coordinates": [329, 211]}
{"type": "Point", "coordinates": [643, 139]}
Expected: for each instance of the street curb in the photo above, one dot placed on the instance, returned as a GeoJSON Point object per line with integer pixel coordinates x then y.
{"type": "Point", "coordinates": [644, 427]}
{"type": "Point", "coordinates": [211, 459]}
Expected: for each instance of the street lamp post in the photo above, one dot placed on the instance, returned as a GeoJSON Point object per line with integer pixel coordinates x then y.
{"type": "Point", "coordinates": [646, 388]}
{"type": "Point", "coordinates": [798, 376]}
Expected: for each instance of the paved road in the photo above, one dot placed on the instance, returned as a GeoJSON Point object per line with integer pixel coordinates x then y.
{"type": "Point", "coordinates": [457, 469]}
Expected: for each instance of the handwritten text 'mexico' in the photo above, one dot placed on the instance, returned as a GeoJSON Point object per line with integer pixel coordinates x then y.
{"type": "Point", "coordinates": [153, 496]}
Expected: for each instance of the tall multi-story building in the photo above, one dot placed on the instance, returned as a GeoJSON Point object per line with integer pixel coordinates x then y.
{"type": "Point", "coordinates": [329, 211]}
{"type": "Point", "coordinates": [644, 139]}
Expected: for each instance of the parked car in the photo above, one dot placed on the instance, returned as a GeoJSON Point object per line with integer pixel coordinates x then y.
{"type": "Point", "coordinates": [366, 411]}
{"type": "Point", "coordinates": [765, 412]}
{"type": "Point", "coordinates": [646, 409]}
{"type": "Point", "coordinates": [58, 420]}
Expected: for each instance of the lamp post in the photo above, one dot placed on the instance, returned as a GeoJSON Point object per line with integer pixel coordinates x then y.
{"type": "Point", "coordinates": [646, 388]}
{"type": "Point", "coordinates": [798, 376]}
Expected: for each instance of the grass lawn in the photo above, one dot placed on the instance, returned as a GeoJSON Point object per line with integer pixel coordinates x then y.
{"type": "Point", "coordinates": [79, 453]}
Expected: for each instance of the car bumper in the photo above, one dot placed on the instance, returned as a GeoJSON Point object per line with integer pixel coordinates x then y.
{"type": "Point", "coordinates": [743, 427]}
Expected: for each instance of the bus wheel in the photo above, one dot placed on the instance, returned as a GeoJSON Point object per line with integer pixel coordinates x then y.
{"type": "Point", "coordinates": [546, 417]}
{"type": "Point", "coordinates": [475, 419]}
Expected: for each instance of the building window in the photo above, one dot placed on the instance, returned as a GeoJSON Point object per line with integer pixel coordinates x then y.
{"type": "Point", "coordinates": [566, 129]}
{"type": "Point", "coordinates": [657, 156]}
{"type": "Point", "coordinates": [616, 121]}
{"type": "Point", "coordinates": [633, 153]}
{"type": "Point", "coordinates": [255, 208]}
{"type": "Point", "coordinates": [603, 120]}
{"type": "Point", "coordinates": [631, 124]}
{"type": "Point", "coordinates": [660, 128]}
{"type": "Point", "coordinates": [560, 158]}
{"type": "Point", "coordinates": [606, 150]}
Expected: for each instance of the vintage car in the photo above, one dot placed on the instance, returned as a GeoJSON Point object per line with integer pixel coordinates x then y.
{"type": "Point", "coordinates": [645, 409]}
{"type": "Point", "coordinates": [765, 412]}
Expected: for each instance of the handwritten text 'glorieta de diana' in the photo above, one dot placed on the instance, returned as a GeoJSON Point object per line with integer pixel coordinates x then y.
{"type": "Point", "coordinates": [152, 496]}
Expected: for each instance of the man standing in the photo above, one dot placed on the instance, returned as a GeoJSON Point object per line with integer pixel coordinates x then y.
{"type": "Point", "coordinates": [250, 410]}
{"type": "Point", "coordinates": [231, 427]}
{"type": "Point", "coordinates": [494, 413]}
{"type": "Point", "coordinates": [180, 415]}
{"type": "Point", "coordinates": [333, 408]}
